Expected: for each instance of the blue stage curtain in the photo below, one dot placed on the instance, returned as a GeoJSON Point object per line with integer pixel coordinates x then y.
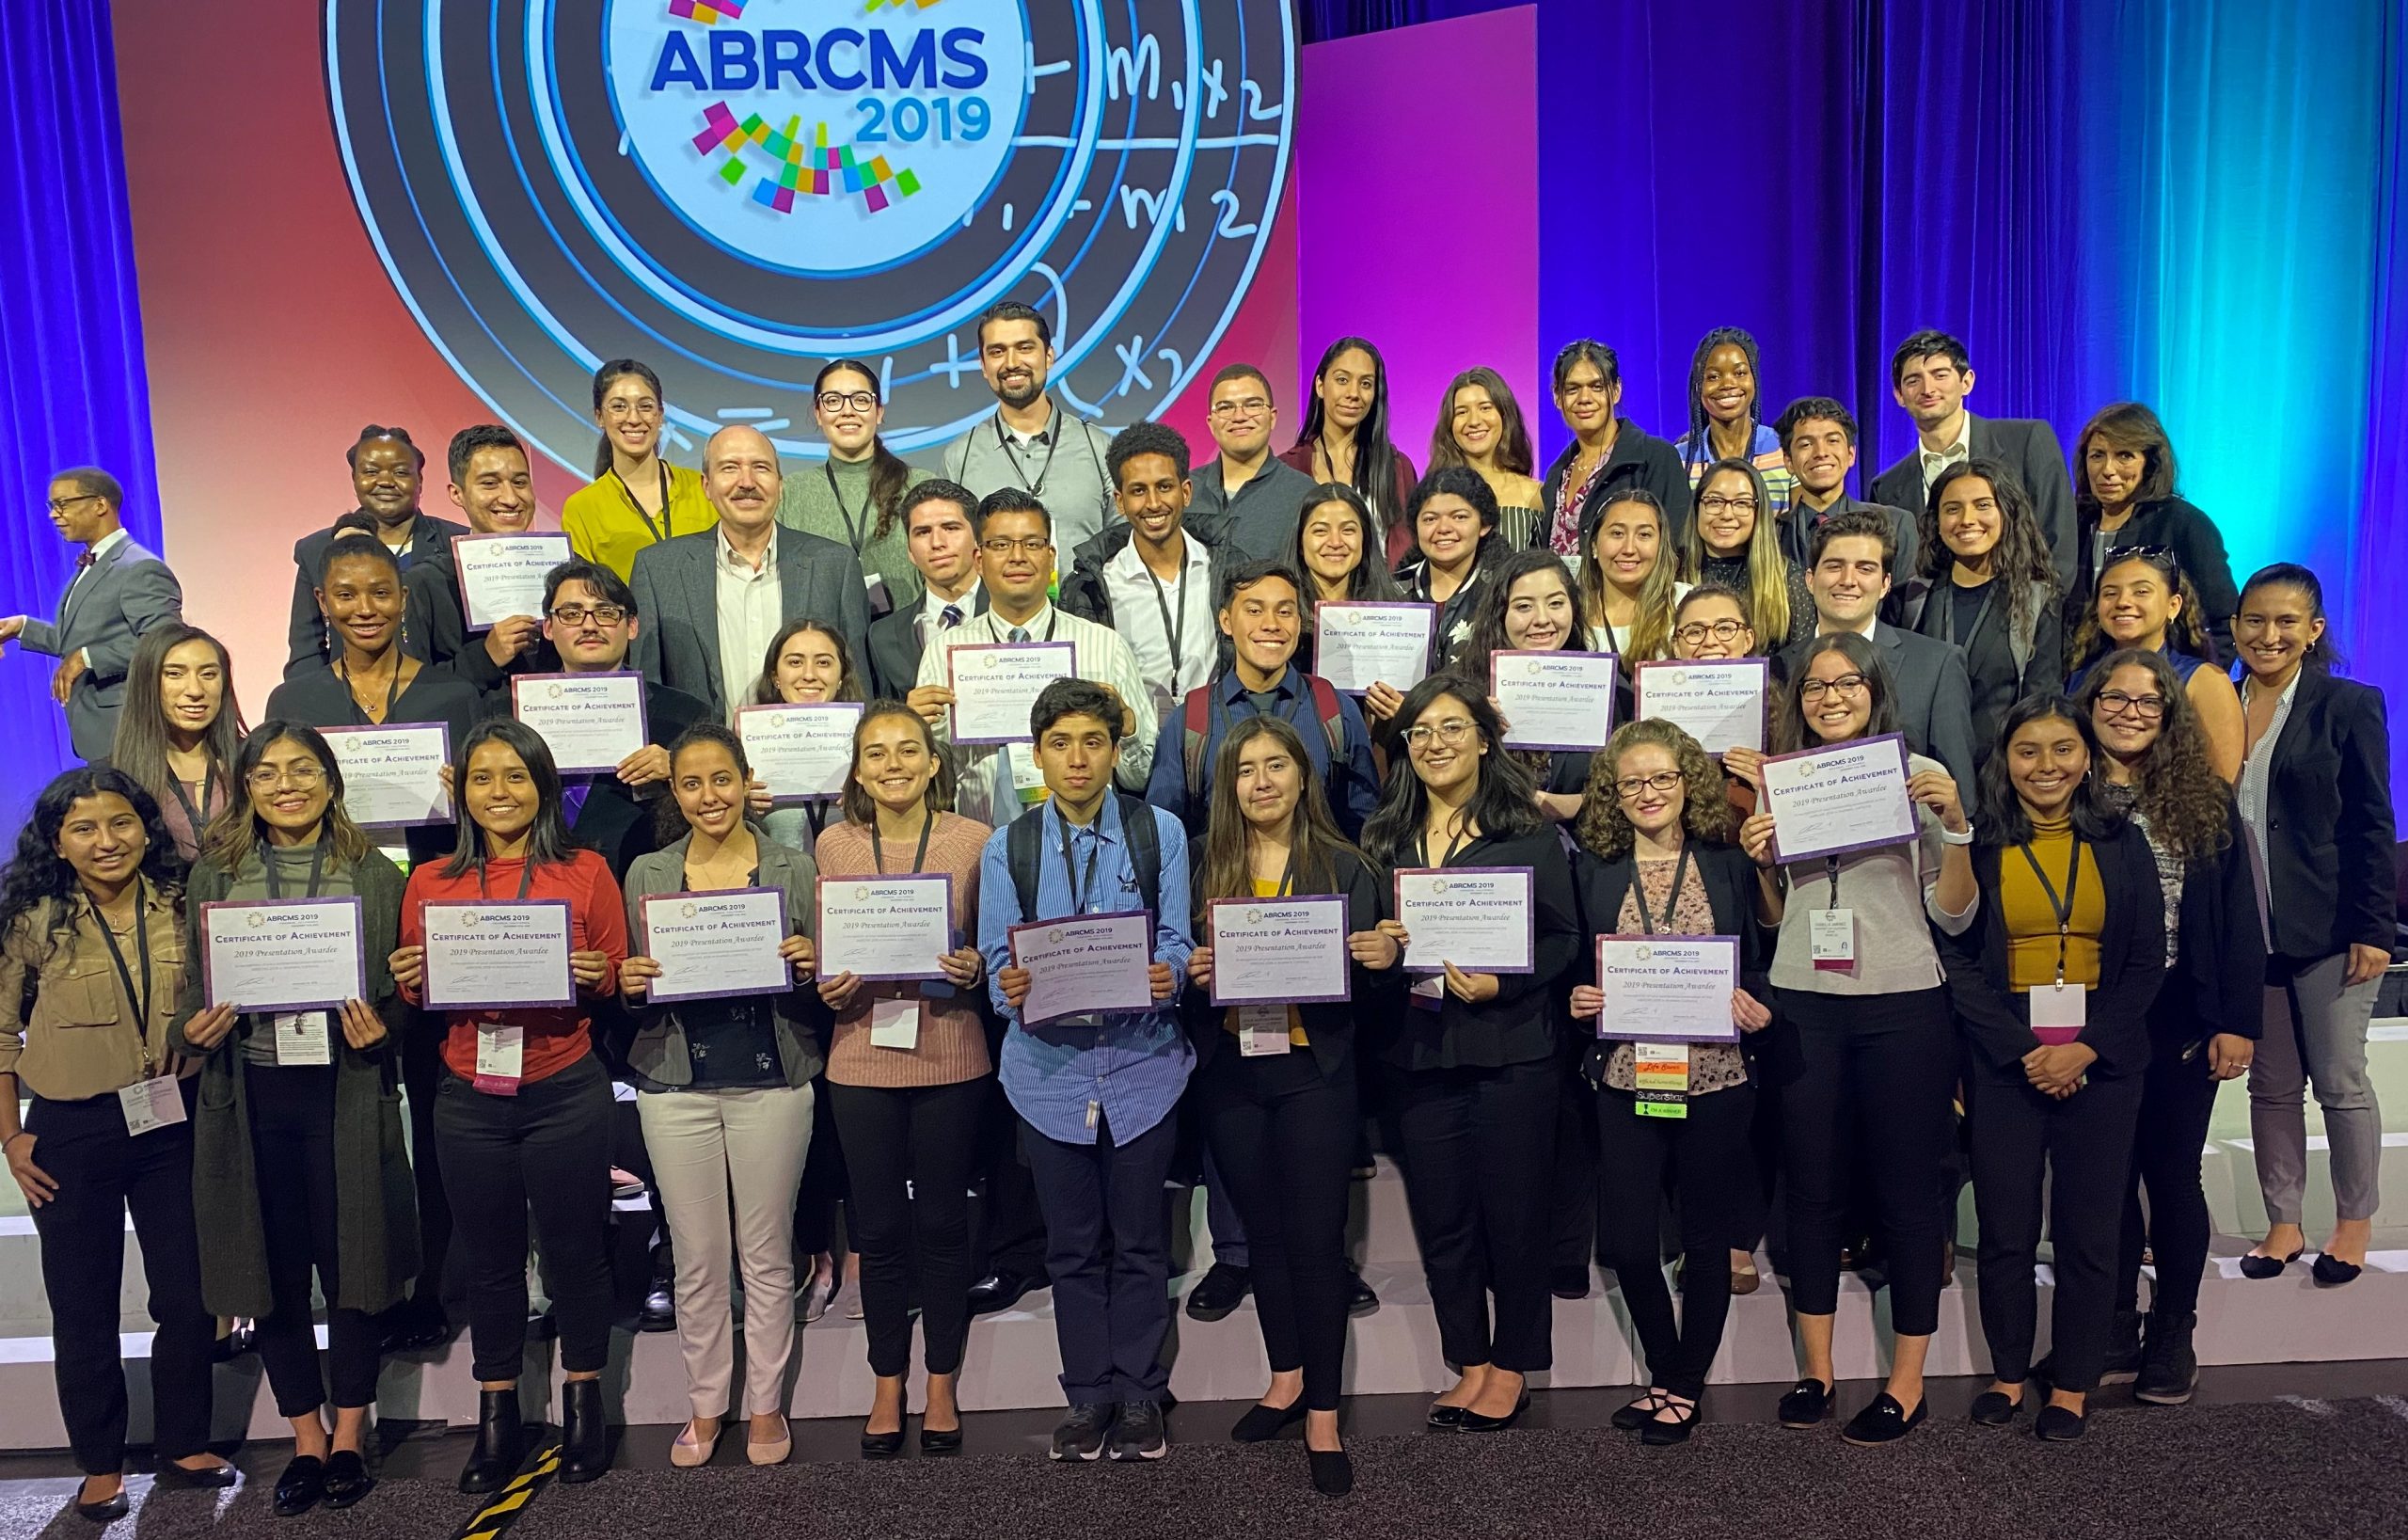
{"type": "Point", "coordinates": [71, 340]}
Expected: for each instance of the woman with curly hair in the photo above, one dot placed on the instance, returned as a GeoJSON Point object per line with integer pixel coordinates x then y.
{"type": "Point", "coordinates": [2144, 599]}
{"type": "Point", "coordinates": [2204, 1027]}
{"type": "Point", "coordinates": [1656, 859]}
{"type": "Point", "coordinates": [1992, 591]}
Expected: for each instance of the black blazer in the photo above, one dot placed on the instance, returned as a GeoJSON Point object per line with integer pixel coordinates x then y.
{"type": "Point", "coordinates": [1518, 1026]}
{"type": "Point", "coordinates": [1729, 879]}
{"type": "Point", "coordinates": [2181, 527]}
{"type": "Point", "coordinates": [430, 548]}
{"type": "Point", "coordinates": [1330, 1028]}
{"type": "Point", "coordinates": [2329, 878]}
{"type": "Point", "coordinates": [1638, 459]}
{"type": "Point", "coordinates": [895, 646]}
{"type": "Point", "coordinates": [2026, 444]}
{"type": "Point", "coordinates": [2131, 963]}
{"type": "Point", "coordinates": [1997, 680]}
{"type": "Point", "coordinates": [1935, 696]}
{"type": "Point", "coordinates": [2220, 955]}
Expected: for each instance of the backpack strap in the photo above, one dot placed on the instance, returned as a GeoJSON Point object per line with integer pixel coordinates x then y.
{"type": "Point", "coordinates": [1196, 736]}
{"type": "Point", "coordinates": [1145, 848]}
{"type": "Point", "coordinates": [1333, 722]}
{"type": "Point", "coordinates": [1024, 847]}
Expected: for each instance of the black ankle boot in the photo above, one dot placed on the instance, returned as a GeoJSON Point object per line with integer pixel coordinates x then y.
{"type": "Point", "coordinates": [501, 1443]}
{"type": "Point", "coordinates": [2169, 1368]}
{"type": "Point", "coordinates": [2123, 1363]}
{"type": "Point", "coordinates": [585, 1438]}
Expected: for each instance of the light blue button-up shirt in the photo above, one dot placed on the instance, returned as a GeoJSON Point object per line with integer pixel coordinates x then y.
{"type": "Point", "coordinates": [1130, 1067]}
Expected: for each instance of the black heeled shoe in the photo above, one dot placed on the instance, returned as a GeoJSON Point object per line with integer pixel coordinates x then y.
{"type": "Point", "coordinates": [2332, 1272]}
{"type": "Point", "coordinates": [1332, 1472]}
{"type": "Point", "coordinates": [501, 1443]}
{"type": "Point", "coordinates": [1475, 1422]}
{"type": "Point", "coordinates": [209, 1478]}
{"type": "Point", "coordinates": [302, 1484]}
{"type": "Point", "coordinates": [585, 1438]}
{"type": "Point", "coordinates": [1657, 1433]}
{"type": "Point", "coordinates": [1640, 1413]}
{"type": "Point", "coordinates": [347, 1479]}
{"type": "Point", "coordinates": [2254, 1266]}
{"type": "Point", "coordinates": [1260, 1424]}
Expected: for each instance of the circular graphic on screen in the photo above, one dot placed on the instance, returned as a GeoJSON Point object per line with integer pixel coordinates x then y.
{"type": "Point", "coordinates": [736, 191]}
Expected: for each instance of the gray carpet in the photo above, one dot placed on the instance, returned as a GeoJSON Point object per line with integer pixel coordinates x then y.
{"type": "Point", "coordinates": [2295, 1468]}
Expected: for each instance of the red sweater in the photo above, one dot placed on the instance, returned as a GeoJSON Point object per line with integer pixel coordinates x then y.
{"type": "Point", "coordinates": [559, 1036]}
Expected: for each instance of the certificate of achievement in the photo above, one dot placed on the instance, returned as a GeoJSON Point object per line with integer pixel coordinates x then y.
{"type": "Point", "coordinates": [393, 776]}
{"type": "Point", "coordinates": [1361, 644]}
{"type": "Point", "coordinates": [1084, 966]}
{"type": "Point", "coordinates": [885, 927]}
{"type": "Point", "coordinates": [502, 575]}
{"type": "Point", "coordinates": [1834, 801]}
{"type": "Point", "coordinates": [1555, 700]}
{"type": "Point", "coordinates": [591, 721]}
{"type": "Point", "coordinates": [994, 684]}
{"type": "Point", "coordinates": [1278, 951]}
{"type": "Point", "coordinates": [1479, 918]}
{"type": "Point", "coordinates": [710, 944]}
{"type": "Point", "coordinates": [1667, 989]}
{"type": "Point", "coordinates": [497, 955]}
{"type": "Point", "coordinates": [283, 953]}
{"type": "Point", "coordinates": [1719, 703]}
{"type": "Point", "coordinates": [801, 752]}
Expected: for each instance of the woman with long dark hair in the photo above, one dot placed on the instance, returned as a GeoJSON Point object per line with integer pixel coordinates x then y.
{"type": "Point", "coordinates": [1480, 425]}
{"type": "Point", "coordinates": [855, 496]}
{"type": "Point", "coordinates": [1345, 439]}
{"type": "Point", "coordinates": [1726, 419]}
{"type": "Point", "coordinates": [2144, 599]}
{"type": "Point", "coordinates": [522, 1121]}
{"type": "Point", "coordinates": [2152, 763]}
{"type": "Point", "coordinates": [637, 497]}
{"type": "Point", "coordinates": [180, 727]}
{"type": "Point", "coordinates": [1993, 591]}
{"type": "Point", "coordinates": [299, 1164]}
{"type": "Point", "coordinates": [2125, 482]}
{"type": "Point", "coordinates": [2052, 990]}
{"type": "Point", "coordinates": [1608, 453]}
{"type": "Point", "coordinates": [1473, 1064]}
{"type": "Point", "coordinates": [1734, 542]}
{"type": "Point", "coordinates": [91, 965]}
{"type": "Point", "coordinates": [1630, 578]}
{"type": "Point", "coordinates": [1453, 516]}
{"type": "Point", "coordinates": [1338, 555]}
{"type": "Point", "coordinates": [1531, 605]}
{"type": "Point", "coordinates": [1282, 1118]}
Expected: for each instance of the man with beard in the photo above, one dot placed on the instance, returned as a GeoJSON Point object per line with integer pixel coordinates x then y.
{"type": "Point", "coordinates": [1029, 444]}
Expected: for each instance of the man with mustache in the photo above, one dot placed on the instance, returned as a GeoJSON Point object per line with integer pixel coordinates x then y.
{"type": "Point", "coordinates": [1029, 445]}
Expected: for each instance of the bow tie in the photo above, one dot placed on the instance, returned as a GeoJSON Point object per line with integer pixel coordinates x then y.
{"type": "Point", "coordinates": [1941, 459]}
{"type": "Point", "coordinates": [86, 559]}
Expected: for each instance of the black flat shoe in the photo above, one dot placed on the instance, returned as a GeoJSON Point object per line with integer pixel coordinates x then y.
{"type": "Point", "coordinates": [108, 1510]}
{"type": "Point", "coordinates": [1475, 1422]}
{"type": "Point", "coordinates": [2254, 1266]}
{"type": "Point", "coordinates": [1996, 1408]}
{"type": "Point", "coordinates": [940, 1440]}
{"type": "Point", "coordinates": [1447, 1417]}
{"type": "Point", "coordinates": [585, 1438]}
{"type": "Point", "coordinates": [347, 1478]}
{"type": "Point", "coordinates": [1332, 1472]}
{"type": "Point", "coordinates": [1260, 1424]}
{"type": "Point", "coordinates": [882, 1446]}
{"type": "Point", "coordinates": [1807, 1403]}
{"type": "Point", "coordinates": [1657, 1433]}
{"type": "Point", "coordinates": [501, 1443]}
{"type": "Point", "coordinates": [212, 1478]}
{"type": "Point", "coordinates": [2332, 1272]}
{"type": "Point", "coordinates": [1361, 1299]}
{"type": "Point", "coordinates": [1884, 1422]}
{"type": "Point", "coordinates": [302, 1484]}
{"type": "Point", "coordinates": [1640, 1413]}
{"type": "Point", "coordinates": [2059, 1424]}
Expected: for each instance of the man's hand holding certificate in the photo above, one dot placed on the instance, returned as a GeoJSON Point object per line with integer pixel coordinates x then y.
{"type": "Point", "coordinates": [1361, 644]}
{"type": "Point", "coordinates": [1839, 800]}
{"type": "Point", "coordinates": [1720, 703]}
{"type": "Point", "coordinates": [1554, 700]}
{"type": "Point", "coordinates": [498, 956]}
{"type": "Point", "coordinates": [1278, 951]}
{"type": "Point", "coordinates": [799, 751]}
{"type": "Point", "coordinates": [502, 575]}
{"type": "Point", "coordinates": [393, 776]}
{"type": "Point", "coordinates": [1476, 919]}
{"type": "Point", "coordinates": [995, 684]}
{"type": "Point", "coordinates": [591, 721]}
{"type": "Point", "coordinates": [1089, 965]}
{"type": "Point", "coordinates": [712, 945]}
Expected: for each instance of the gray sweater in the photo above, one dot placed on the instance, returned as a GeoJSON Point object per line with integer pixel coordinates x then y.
{"type": "Point", "coordinates": [658, 1051]}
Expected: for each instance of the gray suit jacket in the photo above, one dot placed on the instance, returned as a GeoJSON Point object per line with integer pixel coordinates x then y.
{"type": "Point", "coordinates": [1935, 696]}
{"type": "Point", "coordinates": [676, 589]}
{"type": "Point", "coordinates": [128, 591]}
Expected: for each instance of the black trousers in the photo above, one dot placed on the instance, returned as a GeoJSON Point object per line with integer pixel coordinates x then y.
{"type": "Point", "coordinates": [819, 1197]}
{"type": "Point", "coordinates": [1283, 1136]}
{"type": "Point", "coordinates": [1010, 1235]}
{"type": "Point", "coordinates": [1478, 1148]}
{"type": "Point", "coordinates": [1107, 1245]}
{"type": "Point", "coordinates": [2083, 1145]}
{"type": "Point", "coordinates": [1871, 1073]}
{"type": "Point", "coordinates": [909, 1153]}
{"type": "Point", "coordinates": [1572, 1234]}
{"type": "Point", "coordinates": [292, 1149]}
{"type": "Point", "coordinates": [1709, 1162]}
{"type": "Point", "coordinates": [102, 1172]}
{"type": "Point", "coordinates": [2178, 1099]}
{"type": "Point", "coordinates": [543, 1154]}
{"type": "Point", "coordinates": [423, 1075]}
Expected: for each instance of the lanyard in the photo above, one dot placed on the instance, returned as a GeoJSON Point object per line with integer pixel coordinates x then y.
{"type": "Point", "coordinates": [919, 858]}
{"type": "Point", "coordinates": [1462, 837]}
{"type": "Point", "coordinates": [2061, 908]}
{"type": "Point", "coordinates": [667, 526]}
{"type": "Point", "coordinates": [1948, 613]}
{"type": "Point", "coordinates": [1051, 621]}
{"type": "Point", "coordinates": [1613, 638]}
{"type": "Point", "coordinates": [317, 868]}
{"type": "Point", "coordinates": [1095, 845]}
{"type": "Point", "coordinates": [392, 693]}
{"type": "Point", "coordinates": [526, 879]}
{"type": "Point", "coordinates": [852, 530]}
{"type": "Point", "coordinates": [1831, 868]}
{"type": "Point", "coordinates": [1177, 634]}
{"type": "Point", "coordinates": [1671, 904]}
{"type": "Point", "coordinates": [1052, 441]}
{"type": "Point", "coordinates": [138, 999]}
{"type": "Point", "coordinates": [197, 816]}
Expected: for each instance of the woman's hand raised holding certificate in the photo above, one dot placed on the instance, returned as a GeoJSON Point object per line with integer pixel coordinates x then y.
{"type": "Point", "coordinates": [837, 993]}
{"type": "Point", "coordinates": [361, 1026]}
{"type": "Point", "coordinates": [409, 967]}
{"type": "Point", "coordinates": [1376, 950]}
{"type": "Point", "coordinates": [962, 966]}
{"type": "Point", "coordinates": [591, 970]}
{"type": "Point", "coordinates": [635, 976]}
{"type": "Point", "coordinates": [1199, 967]}
{"type": "Point", "coordinates": [208, 1026]}
{"type": "Point", "coordinates": [1937, 790]}
{"type": "Point", "coordinates": [1471, 988]}
{"type": "Point", "coordinates": [800, 955]}
{"type": "Point", "coordinates": [1747, 1013]}
{"type": "Point", "coordinates": [1756, 839]}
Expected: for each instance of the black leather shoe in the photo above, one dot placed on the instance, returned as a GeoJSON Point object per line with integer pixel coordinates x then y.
{"type": "Point", "coordinates": [940, 1440]}
{"type": "Point", "coordinates": [1884, 1422]}
{"type": "Point", "coordinates": [2059, 1424]}
{"type": "Point", "coordinates": [302, 1484]}
{"type": "Point", "coordinates": [2123, 1364]}
{"type": "Point", "coordinates": [1360, 1300]}
{"type": "Point", "coordinates": [1996, 1408]}
{"type": "Point", "coordinates": [2169, 1368]}
{"type": "Point", "coordinates": [413, 1326]}
{"type": "Point", "coordinates": [1447, 1417]}
{"type": "Point", "coordinates": [108, 1510]}
{"type": "Point", "coordinates": [1260, 1424]}
{"type": "Point", "coordinates": [501, 1443]}
{"type": "Point", "coordinates": [1807, 1404]}
{"type": "Point", "coordinates": [215, 1478]}
{"type": "Point", "coordinates": [1220, 1291]}
{"type": "Point", "coordinates": [1000, 1291]}
{"type": "Point", "coordinates": [882, 1446]}
{"type": "Point", "coordinates": [585, 1438]}
{"type": "Point", "coordinates": [1473, 1423]}
{"type": "Point", "coordinates": [1332, 1472]}
{"type": "Point", "coordinates": [1640, 1413]}
{"type": "Point", "coordinates": [2332, 1272]}
{"type": "Point", "coordinates": [1568, 1282]}
{"type": "Point", "coordinates": [2254, 1266]}
{"type": "Point", "coordinates": [659, 1312]}
{"type": "Point", "coordinates": [347, 1478]}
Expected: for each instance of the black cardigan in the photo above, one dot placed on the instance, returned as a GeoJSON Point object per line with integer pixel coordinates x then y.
{"type": "Point", "coordinates": [1329, 1027]}
{"type": "Point", "coordinates": [2183, 528]}
{"type": "Point", "coordinates": [1638, 459]}
{"type": "Point", "coordinates": [2329, 878]}
{"type": "Point", "coordinates": [2219, 958]}
{"type": "Point", "coordinates": [2131, 963]}
{"type": "Point", "coordinates": [1730, 881]}
{"type": "Point", "coordinates": [1518, 1026]}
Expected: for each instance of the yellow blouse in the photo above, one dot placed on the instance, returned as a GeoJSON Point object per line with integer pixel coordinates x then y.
{"type": "Point", "coordinates": [2030, 919]}
{"type": "Point", "coordinates": [604, 523]}
{"type": "Point", "coordinates": [1265, 887]}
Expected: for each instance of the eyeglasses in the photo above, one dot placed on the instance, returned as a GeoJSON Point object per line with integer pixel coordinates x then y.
{"type": "Point", "coordinates": [1847, 684]}
{"type": "Point", "coordinates": [1716, 502]}
{"type": "Point", "coordinates": [1629, 786]}
{"type": "Point", "coordinates": [267, 778]}
{"type": "Point", "coordinates": [2115, 703]}
{"type": "Point", "coordinates": [61, 505]}
{"type": "Point", "coordinates": [1451, 733]}
{"type": "Point", "coordinates": [1034, 545]}
{"type": "Point", "coordinates": [1722, 630]}
{"type": "Point", "coordinates": [1231, 410]}
{"type": "Point", "coordinates": [578, 614]}
{"type": "Point", "coordinates": [619, 406]}
{"type": "Point", "coordinates": [836, 400]}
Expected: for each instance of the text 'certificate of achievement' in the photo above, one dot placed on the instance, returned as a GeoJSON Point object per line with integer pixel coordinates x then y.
{"type": "Point", "coordinates": [995, 683]}
{"type": "Point", "coordinates": [1835, 801]}
{"type": "Point", "coordinates": [1361, 644]}
{"type": "Point", "coordinates": [393, 776]}
{"type": "Point", "coordinates": [885, 928]}
{"type": "Point", "coordinates": [283, 953]}
{"type": "Point", "coordinates": [498, 956]}
{"type": "Point", "coordinates": [1087, 966]}
{"type": "Point", "coordinates": [710, 944]}
{"type": "Point", "coordinates": [502, 575]}
{"type": "Point", "coordinates": [591, 721]}
{"type": "Point", "coordinates": [1667, 989]}
{"type": "Point", "coordinates": [1555, 700]}
{"type": "Point", "coordinates": [1720, 703]}
{"type": "Point", "coordinates": [801, 752]}
{"type": "Point", "coordinates": [1278, 951]}
{"type": "Point", "coordinates": [1479, 918]}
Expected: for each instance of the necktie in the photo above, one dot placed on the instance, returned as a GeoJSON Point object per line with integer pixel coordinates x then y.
{"type": "Point", "coordinates": [1020, 633]}
{"type": "Point", "coordinates": [951, 618]}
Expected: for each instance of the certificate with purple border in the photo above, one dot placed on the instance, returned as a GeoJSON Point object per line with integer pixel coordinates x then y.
{"type": "Point", "coordinates": [995, 684]}
{"type": "Point", "coordinates": [801, 752]}
{"type": "Point", "coordinates": [1667, 989]}
{"type": "Point", "coordinates": [1085, 966]}
{"type": "Point", "coordinates": [1278, 951]}
{"type": "Point", "coordinates": [1841, 799]}
{"type": "Point", "coordinates": [502, 575]}
{"type": "Point", "coordinates": [1358, 643]}
{"type": "Point", "coordinates": [393, 776]}
{"type": "Point", "coordinates": [1482, 919]}
{"type": "Point", "coordinates": [885, 929]}
{"type": "Point", "coordinates": [591, 721]}
{"type": "Point", "coordinates": [1720, 701]}
{"type": "Point", "coordinates": [1555, 700]}
{"type": "Point", "coordinates": [502, 954]}
{"type": "Point", "coordinates": [711, 946]}
{"type": "Point", "coordinates": [282, 954]}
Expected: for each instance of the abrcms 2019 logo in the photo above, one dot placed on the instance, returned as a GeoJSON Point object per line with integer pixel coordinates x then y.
{"type": "Point", "coordinates": [739, 190]}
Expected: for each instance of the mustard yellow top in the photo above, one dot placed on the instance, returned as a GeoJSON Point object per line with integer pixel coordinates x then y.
{"type": "Point", "coordinates": [605, 524]}
{"type": "Point", "coordinates": [1265, 887]}
{"type": "Point", "coordinates": [2032, 921]}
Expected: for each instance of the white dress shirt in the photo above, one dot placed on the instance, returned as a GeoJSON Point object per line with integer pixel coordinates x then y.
{"type": "Point", "coordinates": [752, 607]}
{"type": "Point", "coordinates": [1936, 460]}
{"type": "Point", "coordinates": [932, 608]}
{"type": "Point", "coordinates": [1150, 614]}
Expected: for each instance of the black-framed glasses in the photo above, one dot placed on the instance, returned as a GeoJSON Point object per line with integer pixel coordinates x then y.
{"type": "Point", "coordinates": [578, 614]}
{"type": "Point", "coordinates": [1716, 502]}
{"type": "Point", "coordinates": [1629, 786]}
{"type": "Point", "coordinates": [2115, 703]}
{"type": "Point", "coordinates": [836, 400]}
{"type": "Point", "coordinates": [1847, 684]}
{"type": "Point", "coordinates": [1721, 631]}
{"type": "Point", "coordinates": [61, 505]}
